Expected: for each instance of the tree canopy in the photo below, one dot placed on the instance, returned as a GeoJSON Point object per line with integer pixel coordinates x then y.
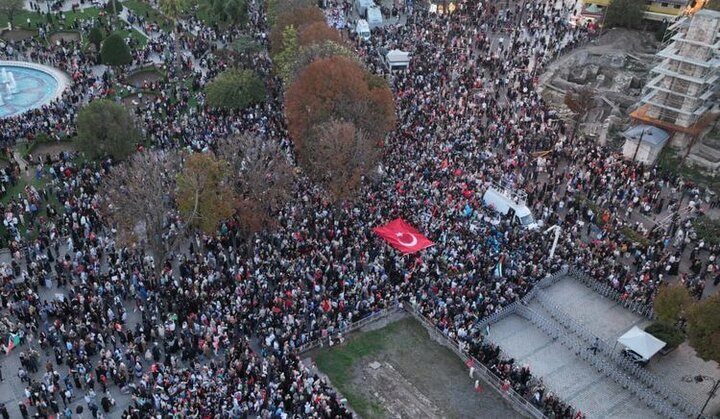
{"type": "Point", "coordinates": [338, 156]}
{"type": "Point", "coordinates": [670, 303]}
{"type": "Point", "coordinates": [115, 51]}
{"type": "Point", "coordinates": [229, 11]}
{"type": "Point", "coordinates": [105, 128]}
{"type": "Point", "coordinates": [338, 88]}
{"type": "Point", "coordinates": [235, 89]}
{"type": "Point", "coordinates": [625, 13]}
{"type": "Point", "coordinates": [138, 201]}
{"type": "Point", "coordinates": [704, 328]}
{"type": "Point", "coordinates": [9, 8]}
{"type": "Point", "coordinates": [204, 197]}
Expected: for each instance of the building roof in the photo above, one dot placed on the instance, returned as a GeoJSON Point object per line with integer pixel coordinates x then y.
{"type": "Point", "coordinates": [652, 135]}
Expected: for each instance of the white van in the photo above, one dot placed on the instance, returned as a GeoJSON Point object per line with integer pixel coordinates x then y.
{"type": "Point", "coordinates": [502, 203]}
{"type": "Point", "coordinates": [374, 17]}
{"type": "Point", "coordinates": [362, 29]}
{"type": "Point", "coordinates": [362, 5]}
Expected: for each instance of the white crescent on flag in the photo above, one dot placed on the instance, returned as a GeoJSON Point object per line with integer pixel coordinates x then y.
{"type": "Point", "coordinates": [403, 236]}
{"type": "Point", "coordinates": [411, 243]}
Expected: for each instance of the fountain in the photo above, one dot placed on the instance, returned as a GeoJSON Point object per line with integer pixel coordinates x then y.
{"type": "Point", "coordinates": [7, 79]}
{"type": "Point", "coordinates": [25, 86]}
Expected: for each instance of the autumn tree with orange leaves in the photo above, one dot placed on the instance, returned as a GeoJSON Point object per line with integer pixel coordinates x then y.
{"type": "Point", "coordinates": [338, 88]}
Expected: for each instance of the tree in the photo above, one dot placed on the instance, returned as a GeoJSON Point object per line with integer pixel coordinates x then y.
{"type": "Point", "coordinates": [338, 156]}
{"type": "Point", "coordinates": [114, 7]}
{"type": "Point", "coordinates": [115, 51]}
{"type": "Point", "coordinates": [204, 197]}
{"type": "Point", "coordinates": [317, 51]}
{"type": "Point", "coordinates": [96, 37]}
{"type": "Point", "coordinates": [275, 8]}
{"type": "Point", "coordinates": [318, 32]}
{"type": "Point", "coordinates": [284, 60]}
{"type": "Point", "coordinates": [704, 328]}
{"type": "Point", "coordinates": [625, 13]}
{"type": "Point", "coordinates": [173, 10]}
{"type": "Point", "coordinates": [105, 128]}
{"type": "Point", "coordinates": [579, 102]}
{"type": "Point", "coordinates": [262, 178]}
{"type": "Point", "coordinates": [298, 17]}
{"type": "Point", "coordinates": [338, 88]}
{"type": "Point", "coordinates": [10, 7]}
{"type": "Point", "coordinates": [233, 12]}
{"type": "Point", "coordinates": [670, 302]}
{"type": "Point", "coordinates": [138, 200]}
{"type": "Point", "coordinates": [713, 5]}
{"type": "Point", "coordinates": [235, 89]}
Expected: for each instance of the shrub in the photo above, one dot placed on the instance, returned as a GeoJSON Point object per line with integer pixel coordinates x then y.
{"type": "Point", "coordinates": [666, 333]}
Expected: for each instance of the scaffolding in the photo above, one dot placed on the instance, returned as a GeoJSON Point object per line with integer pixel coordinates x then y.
{"type": "Point", "coordinates": [685, 80]}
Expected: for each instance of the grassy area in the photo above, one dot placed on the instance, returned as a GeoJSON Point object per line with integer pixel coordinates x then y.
{"type": "Point", "coordinates": [141, 8]}
{"type": "Point", "coordinates": [27, 19]}
{"type": "Point", "coordinates": [338, 364]}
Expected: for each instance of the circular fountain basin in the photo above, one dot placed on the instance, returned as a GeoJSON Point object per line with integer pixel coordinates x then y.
{"type": "Point", "coordinates": [35, 85]}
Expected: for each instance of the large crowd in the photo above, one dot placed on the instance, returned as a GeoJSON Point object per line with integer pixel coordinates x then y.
{"type": "Point", "coordinates": [214, 332]}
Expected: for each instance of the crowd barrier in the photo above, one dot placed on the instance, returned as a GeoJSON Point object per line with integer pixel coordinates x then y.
{"type": "Point", "coordinates": [665, 407]}
{"type": "Point", "coordinates": [606, 290]}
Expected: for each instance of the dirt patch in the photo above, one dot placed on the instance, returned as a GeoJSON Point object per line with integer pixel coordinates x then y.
{"type": "Point", "coordinates": [141, 77]}
{"type": "Point", "coordinates": [51, 149]}
{"type": "Point", "coordinates": [416, 377]}
{"type": "Point", "coordinates": [65, 37]}
{"type": "Point", "coordinates": [17, 34]}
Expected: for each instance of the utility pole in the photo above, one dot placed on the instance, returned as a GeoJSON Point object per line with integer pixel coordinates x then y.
{"type": "Point", "coordinates": [637, 148]}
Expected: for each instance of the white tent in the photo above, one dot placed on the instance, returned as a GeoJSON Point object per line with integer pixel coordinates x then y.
{"type": "Point", "coordinates": [397, 59]}
{"type": "Point", "coordinates": [643, 343]}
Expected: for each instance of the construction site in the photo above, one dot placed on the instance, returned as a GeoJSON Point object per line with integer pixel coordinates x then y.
{"type": "Point", "coordinates": [643, 95]}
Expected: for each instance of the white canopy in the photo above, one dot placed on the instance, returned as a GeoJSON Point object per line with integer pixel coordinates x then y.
{"type": "Point", "coordinates": [645, 344]}
{"type": "Point", "coordinates": [398, 58]}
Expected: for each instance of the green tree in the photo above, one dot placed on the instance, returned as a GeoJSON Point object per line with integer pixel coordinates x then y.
{"type": "Point", "coordinates": [114, 7]}
{"type": "Point", "coordinates": [115, 51]}
{"type": "Point", "coordinates": [704, 328]}
{"type": "Point", "coordinates": [286, 57]}
{"type": "Point", "coordinates": [235, 89]}
{"type": "Point", "coordinates": [105, 128]}
{"type": "Point", "coordinates": [96, 37]}
{"type": "Point", "coordinates": [670, 303]}
{"type": "Point", "coordinates": [232, 12]}
{"type": "Point", "coordinates": [204, 196]}
{"type": "Point", "coordinates": [625, 14]}
{"type": "Point", "coordinates": [9, 8]}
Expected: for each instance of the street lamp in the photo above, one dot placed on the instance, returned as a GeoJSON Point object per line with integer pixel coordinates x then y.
{"type": "Point", "coordinates": [700, 379]}
{"type": "Point", "coordinates": [555, 241]}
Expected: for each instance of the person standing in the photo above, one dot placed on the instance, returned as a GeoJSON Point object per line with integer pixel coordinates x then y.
{"type": "Point", "coordinates": [4, 412]}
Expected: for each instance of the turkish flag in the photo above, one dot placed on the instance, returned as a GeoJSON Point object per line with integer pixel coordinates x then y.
{"type": "Point", "coordinates": [403, 236]}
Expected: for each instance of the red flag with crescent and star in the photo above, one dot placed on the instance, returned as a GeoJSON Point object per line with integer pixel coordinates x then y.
{"type": "Point", "coordinates": [403, 236]}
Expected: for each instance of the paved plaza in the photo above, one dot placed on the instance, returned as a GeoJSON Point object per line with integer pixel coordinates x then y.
{"type": "Point", "coordinates": [577, 381]}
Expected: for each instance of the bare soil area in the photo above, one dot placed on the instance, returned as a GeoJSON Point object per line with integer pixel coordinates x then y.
{"type": "Point", "coordinates": [68, 36]}
{"type": "Point", "coordinates": [17, 35]}
{"type": "Point", "coordinates": [138, 78]}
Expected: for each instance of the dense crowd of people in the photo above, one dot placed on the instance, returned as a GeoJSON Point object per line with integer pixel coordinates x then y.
{"type": "Point", "coordinates": [214, 331]}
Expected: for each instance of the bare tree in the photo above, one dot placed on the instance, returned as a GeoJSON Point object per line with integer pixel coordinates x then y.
{"type": "Point", "coordinates": [138, 200]}
{"type": "Point", "coordinates": [262, 177]}
{"type": "Point", "coordinates": [338, 156]}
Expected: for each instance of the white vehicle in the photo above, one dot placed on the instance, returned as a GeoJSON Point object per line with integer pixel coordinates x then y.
{"type": "Point", "coordinates": [362, 5]}
{"type": "Point", "coordinates": [503, 202]}
{"type": "Point", "coordinates": [374, 17]}
{"type": "Point", "coordinates": [362, 29]}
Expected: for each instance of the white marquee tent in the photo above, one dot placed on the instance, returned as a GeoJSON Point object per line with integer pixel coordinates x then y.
{"type": "Point", "coordinates": [643, 343]}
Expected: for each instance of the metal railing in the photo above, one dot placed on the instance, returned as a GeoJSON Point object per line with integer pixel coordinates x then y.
{"type": "Point", "coordinates": [608, 291]}
{"type": "Point", "coordinates": [647, 395]}
{"type": "Point", "coordinates": [480, 371]}
{"type": "Point", "coordinates": [639, 373]}
{"type": "Point", "coordinates": [335, 333]}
